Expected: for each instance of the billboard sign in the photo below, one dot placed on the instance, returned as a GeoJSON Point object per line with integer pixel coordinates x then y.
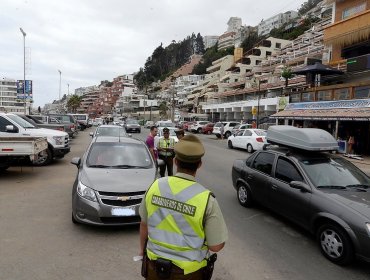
{"type": "Point", "coordinates": [28, 90]}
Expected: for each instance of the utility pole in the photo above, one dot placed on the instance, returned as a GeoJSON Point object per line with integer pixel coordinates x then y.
{"type": "Point", "coordinates": [24, 71]}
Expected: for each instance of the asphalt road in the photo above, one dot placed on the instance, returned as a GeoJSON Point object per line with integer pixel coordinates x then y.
{"type": "Point", "coordinates": [39, 241]}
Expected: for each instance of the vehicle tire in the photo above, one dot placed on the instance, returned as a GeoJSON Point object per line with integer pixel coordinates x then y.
{"type": "Point", "coordinates": [209, 132]}
{"type": "Point", "coordinates": [74, 220]}
{"type": "Point", "coordinates": [199, 130]}
{"type": "Point", "coordinates": [229, 144]}
{"type": "Point", "coordinates": [335, 244]}
{"type": "Point", "coordinates": [3, 168]}
{"type": "Point", "coordinates": [249, 148]}
{"type": "Point", "coordinates": [244, 196]}
{"type": "Point", "coordinates": [45, 158]}
{"type": "Point", "coordinates": [218, 136]}
{"type": "Point", "coordinates": [227, 134]}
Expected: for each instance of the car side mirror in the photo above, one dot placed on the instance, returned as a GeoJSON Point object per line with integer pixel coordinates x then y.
{"type": "Point", "coordinates": [76, 161]}
{"type": "Point", "coordinates": [11, 128]}
{"type": "Point", "coordinates": [91, 134]}
{"type": "Point", "coordinates": [300, 186]}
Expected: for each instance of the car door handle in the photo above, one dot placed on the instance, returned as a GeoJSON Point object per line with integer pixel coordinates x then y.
{"type": "Point", "coordinates": [274, 187]}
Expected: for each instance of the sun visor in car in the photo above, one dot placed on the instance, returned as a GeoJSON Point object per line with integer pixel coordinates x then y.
{"type": "Point", "coordinates": [310, 139]}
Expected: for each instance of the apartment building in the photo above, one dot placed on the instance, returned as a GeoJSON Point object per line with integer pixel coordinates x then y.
{"type": "Point", "coordinates": [9, 101]}
{"type": "Point", "coordinates": [341, 103]}
{"type": "Point", "coordinates": [210, 41]}
{"type": "Point", "coordinates": [265, 26]}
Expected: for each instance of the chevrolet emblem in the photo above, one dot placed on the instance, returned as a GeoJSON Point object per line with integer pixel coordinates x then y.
{"type": "Point", "coordinates": [123, 198]}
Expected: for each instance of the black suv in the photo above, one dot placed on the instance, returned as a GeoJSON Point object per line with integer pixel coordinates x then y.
{"type": "Point", "coordinates": [320, 191]}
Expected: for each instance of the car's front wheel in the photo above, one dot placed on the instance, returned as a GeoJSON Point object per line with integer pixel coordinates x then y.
{"type": "Point", "coordinates": [229, 144]}
{"type": "Point", "coordinates": [335, 244]}
{"type": "Point", "coordinates": [249, 148]}
{"type": "Point", "coordinates": [44, 158]}
{"type": "Point", "coordinates": [227, 134]}
{"type": "Point", "coordinates": [199, 130]}
{"type": "Point", "coordinates": [244, 196]}
{"type": "Point", "coordinates": [74, 220]}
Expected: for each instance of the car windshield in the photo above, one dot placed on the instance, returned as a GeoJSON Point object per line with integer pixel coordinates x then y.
{"type": "Point", "coordinates": [21, 122]}
{"type": "Point", "coordinates": [132, 122]}
{"type": "Point", "coordinates": [118, 155]}
{"type": "Point", "coordinates": [111, 131]}
{"type": "Point", "coordinates": [172, 132]}
{"type": "Point", "coordinates": [333, 172]}
{"type": "Point", "coordinates": [260, 132]}
{"type": "Point", "coordinates": [166, 124]}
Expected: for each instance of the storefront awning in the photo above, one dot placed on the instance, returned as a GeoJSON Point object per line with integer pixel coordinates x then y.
{"type": "Point", "coordinates": [341, 114]}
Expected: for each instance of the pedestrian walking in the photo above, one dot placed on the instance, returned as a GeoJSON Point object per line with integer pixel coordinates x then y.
{"type": "Point", "coordinates": [181, 221]}
{"type": "Point", "coordinates": [150, 142]}
{"type": "Point", "coordinates": [166, 153]}
{"type": "Point", "coordinates": [222, 130]}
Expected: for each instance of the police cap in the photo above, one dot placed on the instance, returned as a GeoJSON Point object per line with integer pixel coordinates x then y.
{"type": "Point", "coordinates": [189, 149]}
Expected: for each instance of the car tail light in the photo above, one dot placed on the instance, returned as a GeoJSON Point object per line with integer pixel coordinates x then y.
{"type": "Point", "coordinates": [259, 139]}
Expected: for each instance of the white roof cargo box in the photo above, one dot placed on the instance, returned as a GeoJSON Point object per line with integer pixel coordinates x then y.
{"type": "Point", "coordinates": [310, 139]}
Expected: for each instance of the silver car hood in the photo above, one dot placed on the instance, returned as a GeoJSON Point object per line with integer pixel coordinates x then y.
{"type": "Point", "coordinates": [357, 200]}
{"type": "Point", "coordinates": [117, 180]}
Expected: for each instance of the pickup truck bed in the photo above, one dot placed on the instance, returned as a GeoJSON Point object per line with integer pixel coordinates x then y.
{"type": "Point", "coordinates": [14, 148]}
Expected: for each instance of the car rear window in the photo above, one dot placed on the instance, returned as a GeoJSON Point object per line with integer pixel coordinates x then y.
{"type": "Point", "coordinates": [260, 132]}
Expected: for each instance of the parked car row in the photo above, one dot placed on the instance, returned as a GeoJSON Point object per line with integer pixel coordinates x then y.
{"type": "Point", "coordinates": [15, 126]}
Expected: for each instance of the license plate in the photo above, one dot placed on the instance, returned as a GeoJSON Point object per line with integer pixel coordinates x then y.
{"type": "Point", "coordinates": [123, 211]}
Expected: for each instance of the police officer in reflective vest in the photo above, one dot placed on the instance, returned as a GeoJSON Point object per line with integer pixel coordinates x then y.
{"type": "Point", "coordinates": [166, 152]}
{"type": "Point", "coordinates": [181, 221]}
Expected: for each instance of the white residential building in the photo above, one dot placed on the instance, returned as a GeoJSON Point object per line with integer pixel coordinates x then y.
{"type": "Point", "coordinates": [276, 21]}
{"type": "Point", "coordinates": [234, 24]}
{"type": "Point", "coordinates": [8, 97]}
{"type": "Point", "coordinates": [209, 41]}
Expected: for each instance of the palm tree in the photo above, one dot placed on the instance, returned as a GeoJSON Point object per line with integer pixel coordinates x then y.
{"type": "Point", "coordinates": [287, 74]}
{"type": "Point", "coordinates": [73, 103]}
{"type": "Point", "coordinates": [163, 108]}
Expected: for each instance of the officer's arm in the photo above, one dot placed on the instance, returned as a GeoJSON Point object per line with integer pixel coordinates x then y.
{"type": "Point", "coordinates": [143, 236]}
{"type": "Point", "coordinates": [216, 248]}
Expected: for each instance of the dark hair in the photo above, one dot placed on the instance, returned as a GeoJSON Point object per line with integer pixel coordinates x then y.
{"type": "Point", "coordinates": [152, 127]}
{"type": "Point", "coordinates": [190, 166]}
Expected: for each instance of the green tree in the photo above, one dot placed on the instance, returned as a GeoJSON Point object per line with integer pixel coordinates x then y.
{"type": "Point", "coordinates": [163, 109]}
{"type": "Point", "coordinates": [287, 74]}
{"type": "Point", "coordinates": [73, 103]}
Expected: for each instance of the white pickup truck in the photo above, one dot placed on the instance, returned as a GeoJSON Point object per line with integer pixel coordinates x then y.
{"type": "Point", "coordinates": [58, 141]}
{"type": "Point", "coordinates": [15, 150]}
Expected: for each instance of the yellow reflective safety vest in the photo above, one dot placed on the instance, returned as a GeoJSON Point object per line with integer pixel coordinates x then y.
{"type": "Point", "coordinates": [166, 143]}
{"type": "Point", "coordinates": [176, 209]}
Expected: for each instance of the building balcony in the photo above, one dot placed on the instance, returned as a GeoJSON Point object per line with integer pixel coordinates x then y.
{"type": "Point", "coordinates": [348, 31]}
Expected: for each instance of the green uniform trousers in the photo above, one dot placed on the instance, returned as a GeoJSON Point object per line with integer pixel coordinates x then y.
{"type": "Point", "coordinates": [177, 273]}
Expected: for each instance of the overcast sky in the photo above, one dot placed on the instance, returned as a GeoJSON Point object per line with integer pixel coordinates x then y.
{"type": "Point", "coordinates": [94, 40]}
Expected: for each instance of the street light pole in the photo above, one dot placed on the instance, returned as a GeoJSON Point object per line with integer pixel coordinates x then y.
{"type": "Point", "coordinates": [24, 70]}
{"type": "Point", "coordinates": [60, 84]}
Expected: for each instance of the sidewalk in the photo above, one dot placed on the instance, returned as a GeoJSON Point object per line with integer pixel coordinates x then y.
{"type": "Point", "coordinates": [364, 164]}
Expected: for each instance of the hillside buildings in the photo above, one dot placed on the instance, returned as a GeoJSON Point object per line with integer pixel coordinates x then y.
{"type": "Point", "coordinates": [265, 26]}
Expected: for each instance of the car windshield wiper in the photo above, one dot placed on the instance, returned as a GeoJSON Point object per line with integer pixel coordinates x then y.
{"type": "Point", "coordinates": [100, 166]}
{"type": "Point", "coordinates": [332, 187]}
{"type": "Point", "coordinates": [127, 166]}
{"type": "Point", "coordinates": [359, 186]}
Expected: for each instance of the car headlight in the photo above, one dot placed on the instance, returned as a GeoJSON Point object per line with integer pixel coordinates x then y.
{"type": "Point", "coordinates": [368, 228]}
{"type": "Point", "coordinates": [86, 192]}
{"type": "Point", "coordinates": [59, 140]}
